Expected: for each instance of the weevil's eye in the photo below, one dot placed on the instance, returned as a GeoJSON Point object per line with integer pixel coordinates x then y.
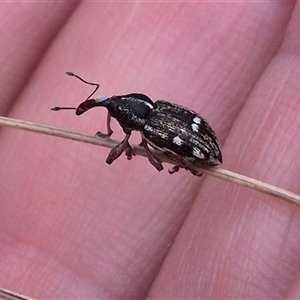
{"type": "Point", "coordinates": [100, 98]}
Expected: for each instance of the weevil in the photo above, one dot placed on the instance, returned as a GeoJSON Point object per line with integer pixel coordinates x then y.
{"type": "Point", "coordinates": [179, 133]}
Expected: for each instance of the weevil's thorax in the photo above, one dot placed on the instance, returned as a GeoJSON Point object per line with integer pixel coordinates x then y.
{"type": "Point", "coordinates": [131, 111]}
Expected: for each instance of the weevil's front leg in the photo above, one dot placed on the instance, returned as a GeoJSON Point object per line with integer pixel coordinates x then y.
{"type": "Point", "coordinates": [152, 159]}
{"type": "Point", "coordinates": [119, 149]}
{"type": "Point", "coordinates": [109, 130]}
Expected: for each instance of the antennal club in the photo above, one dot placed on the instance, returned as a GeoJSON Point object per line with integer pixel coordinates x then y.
{"type": "Point", "coordinates": [56, 108]}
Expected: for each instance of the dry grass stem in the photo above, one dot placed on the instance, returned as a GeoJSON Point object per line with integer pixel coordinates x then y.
{"type": "Point", "coordinates": [109, 143]}
{"type": "Point", "coordinates": [9, 295]}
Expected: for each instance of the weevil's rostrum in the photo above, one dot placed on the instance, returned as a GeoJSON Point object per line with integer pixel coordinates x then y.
{"type": "Point", "coordinates": [180, 133]}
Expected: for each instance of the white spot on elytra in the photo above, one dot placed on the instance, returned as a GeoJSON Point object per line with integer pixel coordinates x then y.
{"type": "Point", "coordinates": [195, 127]}
{"type": "Point", "coordinates": [177, 140]}
{"type": "Point", "coordinates": [198, 153]}
{"type": "Point", "coordinates": [197, 120]}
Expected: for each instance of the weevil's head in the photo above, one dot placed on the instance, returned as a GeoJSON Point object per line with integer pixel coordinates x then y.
{"type": "Point", "coordinates": [90, 103]}
{"type": "Point", "coordinates": [131, 111]}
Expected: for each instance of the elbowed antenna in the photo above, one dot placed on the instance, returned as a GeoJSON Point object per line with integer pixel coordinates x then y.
{"type": "Point", "coordinates": [56, 108]}
{"type": "Point", "coordinates": [87, 82]}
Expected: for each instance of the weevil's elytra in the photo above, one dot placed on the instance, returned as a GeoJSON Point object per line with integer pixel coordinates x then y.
{"type": "Point", "coordinates": [180, 133]}
{"type": "Point", "coordinates": [169, 129]}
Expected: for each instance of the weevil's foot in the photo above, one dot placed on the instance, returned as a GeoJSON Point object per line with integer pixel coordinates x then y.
{"type": "Point", "coordinates": [103, 135]}
{"type": "Point", "coordinates": [174, 170]}
{"type": "Point", "coordinates": [195, 172]}
{"type": "Point", "coordinates": [157, 165]}
{"type": "Point", "coordinates": [154, 161]}
{"type": "Point", "coordinates": [129, 152]}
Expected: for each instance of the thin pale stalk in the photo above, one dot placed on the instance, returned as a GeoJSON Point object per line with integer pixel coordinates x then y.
{"type": "Point", "coordinates": [109, 143]}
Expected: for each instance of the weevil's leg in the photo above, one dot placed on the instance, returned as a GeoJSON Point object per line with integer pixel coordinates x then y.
{"type": "Point", "coordinates": [182, 163]}
{"type": "Point", "coordinates": [109, 130]}
{"type": "Point", "coordinates": [152, 159]}
{"type": "Point", "coordinates": [174, 170]}
{"type": "Point", "coordinates": [119, 149]}
{"type": "Point", "coordinates": [129, 151]}
{"type": "Point", "coordinates": [195, 172]}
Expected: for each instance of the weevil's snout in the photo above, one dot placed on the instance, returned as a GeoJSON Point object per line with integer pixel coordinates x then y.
{"type": "Point", "coordinates": [90, 103]}
{"type": "Point", "coordinates": [80, 110]}
{"type": "Point", "coordinates": [85, 105]}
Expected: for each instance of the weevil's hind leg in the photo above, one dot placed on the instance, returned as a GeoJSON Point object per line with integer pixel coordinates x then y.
{"type": "Point", "coordinates": [129, 152]}
{"type": "Point", "coordinates": [195, 172]}
{"type": "Point", "coordinates": [152, 159]}
{"type": "Point", "coordinates": [181, 163]}
{"type": "Point", "coordinates": [174, 170]}
{"type": "Point", "coordinates": [109, 130]}
{"type": "Point", "coordinates": [119, 149]}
